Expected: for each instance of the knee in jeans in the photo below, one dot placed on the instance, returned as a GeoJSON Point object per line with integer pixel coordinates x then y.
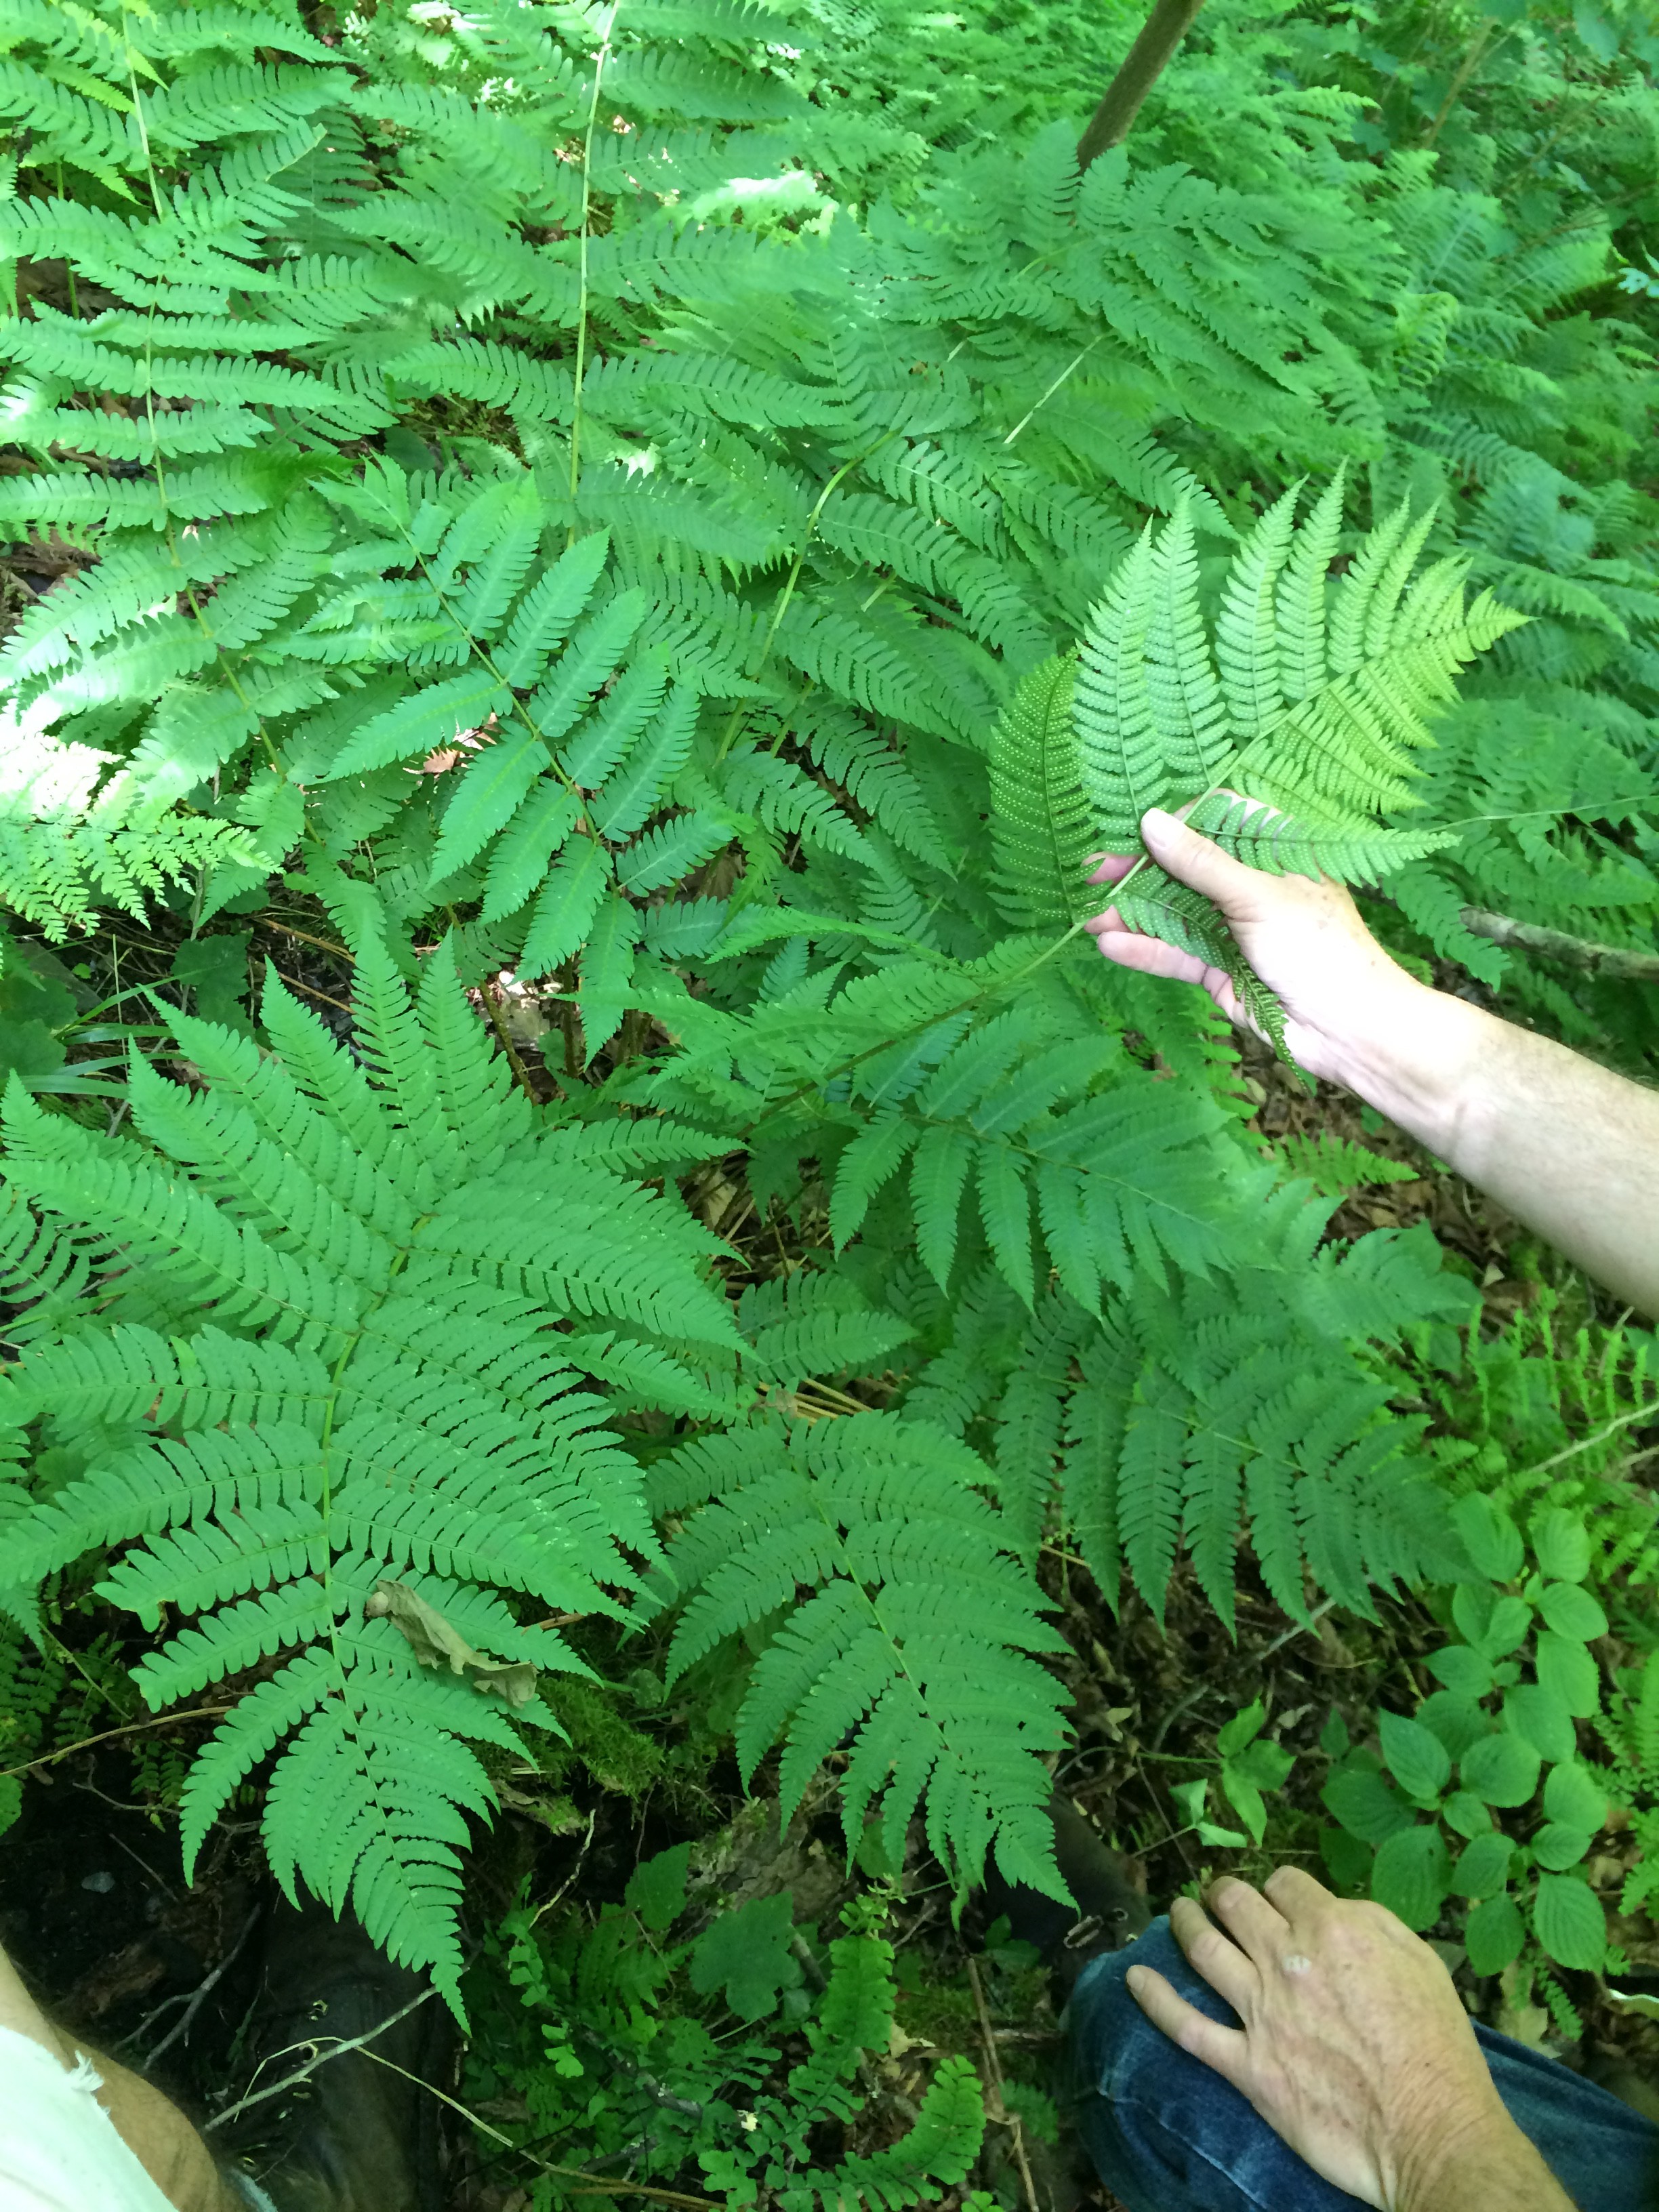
{"type": "Point", "coordinates": [1112, 2040]}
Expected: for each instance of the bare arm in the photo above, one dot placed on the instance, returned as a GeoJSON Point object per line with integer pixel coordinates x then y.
{"type": "Point", "coordinates": [1353, 2048]}
{"type": "Point", "coordinates": [1565, 1147]}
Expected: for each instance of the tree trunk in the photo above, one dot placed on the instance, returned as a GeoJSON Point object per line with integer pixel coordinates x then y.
{"type": "Point", "coordinates": [1144, 63]}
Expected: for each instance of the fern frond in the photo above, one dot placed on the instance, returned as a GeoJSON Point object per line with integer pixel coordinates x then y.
{"type": "Point", "coordinates": [880, 1518]}
{"type": "Point", "coordinates": [1118, 759]}
{"type": "Point", "coordinates": [1262, 837]}
{"type": "Point", "coordinates": [360, 1374]}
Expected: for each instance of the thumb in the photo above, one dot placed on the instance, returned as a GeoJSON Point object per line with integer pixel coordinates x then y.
{"type": "Point", "coordinates": [1202, 866]}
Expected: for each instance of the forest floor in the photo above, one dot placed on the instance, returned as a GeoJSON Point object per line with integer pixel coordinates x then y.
{"type": "Point", "coordinates": [93, 1907]}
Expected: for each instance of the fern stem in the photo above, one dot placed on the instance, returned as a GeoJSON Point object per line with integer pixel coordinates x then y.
{"type": "Point", "coordinates": [1587, 1443]}
{"type": "Point", "coordinates": [788, 591]}
{"type": "Point", "coordinates": [944, 1014]}
{"type": "Point", "coordinates": [69, 266]}
{"type": "Point", "coordinates": [599, 60]}
{"type": "Point", "coordinates": [494, 1012]}
{"type": "Point", "coordinates": [1075, 362]}
{"type": "Point", "coordinates": [482, 654]}
{"type": "Point", "coordinates": [598, 2185]}
{"type": "Point", "coordinates": [312, 992]}
{"type": "Point", "coordinates": [322, 944]}
{"type": "Point", "coordinates": [143, 128]}
{"type": "Point", "coordinates": [1144, 858]}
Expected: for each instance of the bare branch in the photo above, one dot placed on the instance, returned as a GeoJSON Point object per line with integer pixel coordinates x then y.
{"type": "Point", "coordinates": [1558, 945]}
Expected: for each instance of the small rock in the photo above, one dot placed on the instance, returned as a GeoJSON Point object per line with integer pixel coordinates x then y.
{"type": "Point", "coordinates": [99, 1884]}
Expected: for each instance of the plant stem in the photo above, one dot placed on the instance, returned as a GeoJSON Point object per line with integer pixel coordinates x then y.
{"type": "Point", "coordinates": [599, 60]}
{"type": "Point", "coordinates": [1071, 365]}
{"type": "Point", "coordinates": [1144, 63]}
{"type": "Point", "coordinates": [133, 1727]}
{"type": "Point", "coordinates": [1466, 70]}
{"type": "Point", "coordinates": [788, 591]}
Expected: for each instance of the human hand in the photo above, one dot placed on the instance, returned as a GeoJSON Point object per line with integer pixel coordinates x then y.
{"type": "Point", "coordinates": [1355, 2048]}
{"type": "Point", "coordinates": [1342, 993]}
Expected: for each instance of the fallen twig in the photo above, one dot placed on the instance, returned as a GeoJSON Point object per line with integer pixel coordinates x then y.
{"type": "Point", "coordinates": [321, 2058]}
{"type": "Point", "coordinates": [133, 1727]}
{"type": "Point", "coordinates": [1560, 945]}
{"type": "Point", "coordinates": [193, 2004]}
{"type": "Point", "coordinates": [996, 2107]}
{"type": "Point", "coordinates": [598, 2185]}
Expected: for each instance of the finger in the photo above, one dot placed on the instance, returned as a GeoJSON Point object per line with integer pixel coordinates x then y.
{"type": "Point", "coordinates": [1297, 1895]}
{"type": "Point", "coordinates": [1222, 2048]}
{"type": "Point", "coordinates": [1194, 860]}
{"type": "Point", "coordinates": [1151, 955]}
{"type": "Point", "coordinates": [1214, 1954]}
{"type": "Point", "coordinates": [1112, 866]}
{"type": "Point", "coordinates": [1259, 1928]}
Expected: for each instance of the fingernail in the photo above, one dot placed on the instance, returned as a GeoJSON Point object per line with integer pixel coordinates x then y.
{"type": "Point", "coordinates": [1156, 817]}
{"type": "Point", "coordinates": [1135, 1980]}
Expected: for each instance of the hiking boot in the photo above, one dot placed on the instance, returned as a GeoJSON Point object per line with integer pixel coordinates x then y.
{"type": "Point", "coordinates": [354, 2135]}
{"type": "Point", "coordinates": [1110, 1910]}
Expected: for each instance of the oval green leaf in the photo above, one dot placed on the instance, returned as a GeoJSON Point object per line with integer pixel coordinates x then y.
{"type": "Point", "coordinates": [1573, 1611]}
{"type": "Point", "coordinates": [1458, 1722]}
{"type": "Point", "coordinates": [1576, 1795]}
{"type": "Point", "coordinates": [1483, 1866]}
{"type": "Point", "coordinates": [1567, 1670]}
{"type": "Point", "coordinates": [1466, 1814]}
{"type": "Point", "coordinates": [1490, 1537]}
{"type": "Point", "coordinates": [1561, 1544]}
{"type": "Point", "coordinates": [1503, 1768]}
{"type": "Point", "coordinates": [1416, 1757]}
{"type": "Point", "coordinates": [1412, 1873]}
{"type": "Point", "coordinates": [1363, 1802]}
{"type": "Point", "coordinates": [1539, 1716]}
{"type": "Point", "coordinates": [1558, 1847]}
{"type": "Point", "coordinates": [1494, 1935]}
{"type": "Point", "coordinates": [1461, 1668]}
{"type": "Point", "coordinates": [1569, 1923]}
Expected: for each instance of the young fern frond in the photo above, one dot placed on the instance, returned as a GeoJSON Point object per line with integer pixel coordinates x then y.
{"type": "Point", "coordinates": [1286, 753]}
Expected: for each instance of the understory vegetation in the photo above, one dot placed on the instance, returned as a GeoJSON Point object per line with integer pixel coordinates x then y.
{"type": "Point", "coordinates": [619, 1347]}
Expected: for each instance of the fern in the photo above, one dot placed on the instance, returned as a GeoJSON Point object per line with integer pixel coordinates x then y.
{"type": "Point", "coordinates": [884, 1523]}
{"type": "Point", "coordinates": [341, 1254]}
{"type": "Point", "coordinates": [732, 660]}
{"type": "Point", "coordinates": [72, 838]}
{"type": "Point", "coordinates": [1314, 716]}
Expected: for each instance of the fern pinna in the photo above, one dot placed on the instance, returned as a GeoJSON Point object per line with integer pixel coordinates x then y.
{"type": "Point", "coordinates": [325, 1355]}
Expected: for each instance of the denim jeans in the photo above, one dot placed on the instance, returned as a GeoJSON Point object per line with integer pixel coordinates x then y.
{"type": "Point", "coordinates": [1168, 2135]}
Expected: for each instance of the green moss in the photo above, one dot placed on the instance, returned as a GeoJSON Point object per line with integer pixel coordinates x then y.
{"type": "Point", "coordinates": [618, 1757]}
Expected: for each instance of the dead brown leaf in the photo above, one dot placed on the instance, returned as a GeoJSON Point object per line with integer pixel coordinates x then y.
{"type": "Point", "coordinates": [435, 1643]}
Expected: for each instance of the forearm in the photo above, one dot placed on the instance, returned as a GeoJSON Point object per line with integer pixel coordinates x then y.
{"type": "Point", "coordinates": [1561, 1144]}
{"type": "Point", "coordinates": [1492, 2167]}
